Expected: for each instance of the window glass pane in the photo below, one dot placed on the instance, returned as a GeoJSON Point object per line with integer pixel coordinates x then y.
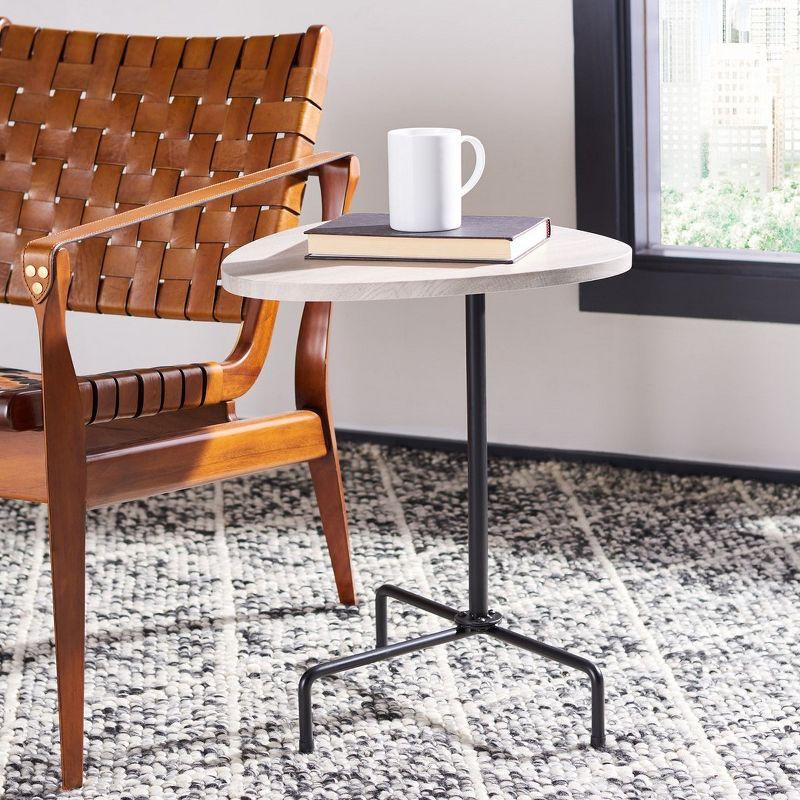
{"type": "Point", "coordinates": [730, 123]}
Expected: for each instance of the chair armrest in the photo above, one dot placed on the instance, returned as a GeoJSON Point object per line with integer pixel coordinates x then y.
{"type": "Point", "coordinates": [338, 181]}
{"type": "Point", "coordinates": [39, 262]}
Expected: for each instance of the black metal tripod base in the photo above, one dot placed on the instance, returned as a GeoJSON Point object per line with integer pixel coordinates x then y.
{"type": "Point", "coordinates": [466, 625]}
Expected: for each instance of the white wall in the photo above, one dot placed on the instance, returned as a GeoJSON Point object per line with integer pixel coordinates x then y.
{"type": "Point", "coordinates": [502, 70]}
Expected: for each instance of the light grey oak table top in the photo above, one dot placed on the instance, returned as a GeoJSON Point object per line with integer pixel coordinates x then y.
{"type": "Point", "coordinates": [275, 268]}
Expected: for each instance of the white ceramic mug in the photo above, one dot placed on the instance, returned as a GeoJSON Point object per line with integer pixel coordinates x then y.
{"type": "Point", "coordinates": [425, 188]}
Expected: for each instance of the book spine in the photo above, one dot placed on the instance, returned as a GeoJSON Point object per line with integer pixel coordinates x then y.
{"type": "Point", "coordinates": [315, 257]}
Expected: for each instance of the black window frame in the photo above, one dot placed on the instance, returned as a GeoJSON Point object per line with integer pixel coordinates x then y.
{"type": "Point", "coordinates": [611, 187]}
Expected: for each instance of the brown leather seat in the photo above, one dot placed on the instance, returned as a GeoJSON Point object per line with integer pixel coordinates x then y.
{"type": "Point", "coordinates": [20, 399]}
{"type": "Point", "coordinates": [96, 125]}
{"type": "Point", "coordinates": [130, 166]}
{"type": "Point", "coordinates": [112, 395]}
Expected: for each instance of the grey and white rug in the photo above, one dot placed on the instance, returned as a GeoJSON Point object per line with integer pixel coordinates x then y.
{"type": "Point", "coordinates": [205, 607]}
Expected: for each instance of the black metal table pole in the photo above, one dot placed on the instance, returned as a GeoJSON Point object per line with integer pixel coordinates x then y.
{"type": "Point", "coordinates": [477, 457]}
{"type": "Point", "coordinates": [478, 614]}
{"type": "Point", "coordinates": [478, 618]}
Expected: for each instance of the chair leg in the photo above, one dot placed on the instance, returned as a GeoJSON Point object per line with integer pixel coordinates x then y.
{"type": "Point", "coordinates": [67, 556]}
{"type": "Point", "coordinates": [327, 479]}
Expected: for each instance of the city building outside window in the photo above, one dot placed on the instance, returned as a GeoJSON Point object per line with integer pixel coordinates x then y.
{"type": "Point", "coordinates": [688, 147]}
{"type": "Point", "coordinates": [729, 109]}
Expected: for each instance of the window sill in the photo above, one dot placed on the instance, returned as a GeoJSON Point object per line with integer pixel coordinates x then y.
{"type": "Point", "coordinates": [665, 286]}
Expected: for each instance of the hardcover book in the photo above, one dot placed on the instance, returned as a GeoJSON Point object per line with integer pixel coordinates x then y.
{"type": "Point", "coordinates": [483, 239]}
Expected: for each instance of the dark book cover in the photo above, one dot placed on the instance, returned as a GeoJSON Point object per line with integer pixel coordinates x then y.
{"type": "Point", "coordinates": [471, 227]}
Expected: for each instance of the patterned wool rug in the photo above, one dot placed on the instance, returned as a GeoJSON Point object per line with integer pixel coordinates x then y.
{"type": "Point", "coordinates": [205, 606]}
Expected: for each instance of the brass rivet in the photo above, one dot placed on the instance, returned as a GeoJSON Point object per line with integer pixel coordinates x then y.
{"type": "Point", "coordinates": [42, 272]}
{"type": "Point", "coordinates": [30, 270]}
{"type": "Point", "coordinates": [37, 288]}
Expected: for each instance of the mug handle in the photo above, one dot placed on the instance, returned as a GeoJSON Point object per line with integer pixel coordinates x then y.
{"type": "Point", "coordinates": [480, 163]}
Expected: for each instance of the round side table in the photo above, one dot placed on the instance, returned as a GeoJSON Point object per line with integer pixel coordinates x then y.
{"type": "Point", "coordinates": [275, 268]}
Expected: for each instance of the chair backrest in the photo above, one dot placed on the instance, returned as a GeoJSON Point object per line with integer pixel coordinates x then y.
{"type": "Point", "coordinates": [93, 124]}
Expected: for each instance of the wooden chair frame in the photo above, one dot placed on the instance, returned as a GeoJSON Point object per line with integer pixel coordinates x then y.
{"type": "Point", "coordinates": [71, 465]}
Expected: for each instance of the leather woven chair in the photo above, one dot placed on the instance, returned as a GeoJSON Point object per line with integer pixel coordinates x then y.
{"type": "Point", "coordinates": [131, 165]}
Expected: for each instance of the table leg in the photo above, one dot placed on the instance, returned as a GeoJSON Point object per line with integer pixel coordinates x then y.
{"type": "Point", "coordinates": [478, 617]}
{"type": "Point", "coordinates": [360, 660]}
{"type": "Point", "coordinates": [598, 738]}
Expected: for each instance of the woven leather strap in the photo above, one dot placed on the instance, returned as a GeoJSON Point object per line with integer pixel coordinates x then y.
{"type": "Point", "coordinates": [92, 125]}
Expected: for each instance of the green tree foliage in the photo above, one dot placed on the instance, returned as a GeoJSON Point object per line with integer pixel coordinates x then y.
{"type": "Point", "coordinates": [732, 216]}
